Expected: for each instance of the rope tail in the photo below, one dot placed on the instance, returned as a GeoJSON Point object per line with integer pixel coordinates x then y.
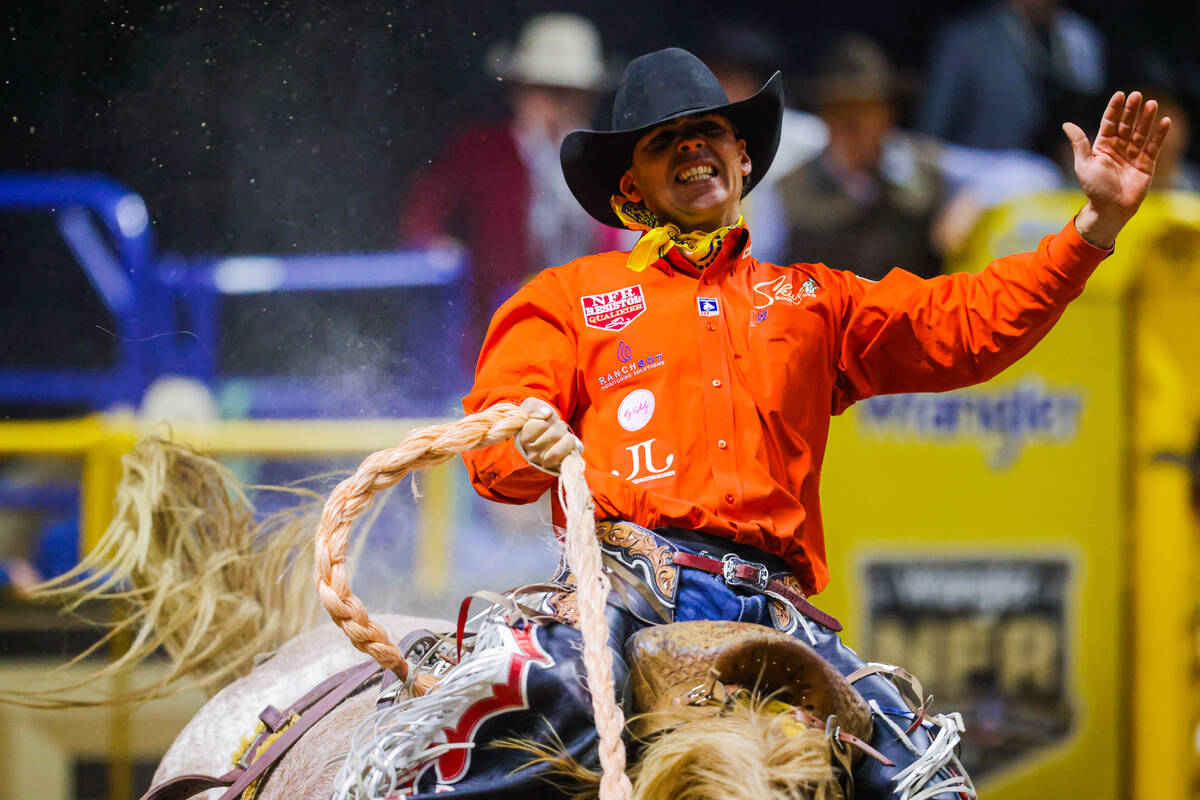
{"type": "Point", "coordinates": [433, 445]}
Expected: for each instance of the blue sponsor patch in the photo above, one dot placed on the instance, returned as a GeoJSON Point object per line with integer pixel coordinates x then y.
{"type": "Point", "coordinates": [707, 306]}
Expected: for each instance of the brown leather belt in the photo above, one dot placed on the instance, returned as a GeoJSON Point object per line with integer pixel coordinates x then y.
{"type": "Point", "coordinates": [739, 572]}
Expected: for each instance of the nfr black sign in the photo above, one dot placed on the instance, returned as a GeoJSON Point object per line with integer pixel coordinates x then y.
{"type": "Point", "coordinates": [988, 637]}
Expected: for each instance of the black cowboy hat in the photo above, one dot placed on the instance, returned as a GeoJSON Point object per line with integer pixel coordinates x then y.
{"type": "Point", "coordinates": [656, 88]}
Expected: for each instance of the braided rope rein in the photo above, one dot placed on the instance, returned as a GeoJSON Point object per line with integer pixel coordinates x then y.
{"type": "Point", "coordinates": [427, 447]}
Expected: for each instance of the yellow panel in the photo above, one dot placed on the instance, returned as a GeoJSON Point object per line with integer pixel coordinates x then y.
{"type": "Point", "coordinates": [1165, 533]}
{"type": "Point", "coordinates": [101, 440]}
{"type": "Point", "coordinates": [1018, 227]}
{"type": "Point", "coordinates": [927, 480]}
{"type": "Point", "coordinates": [893, 492]}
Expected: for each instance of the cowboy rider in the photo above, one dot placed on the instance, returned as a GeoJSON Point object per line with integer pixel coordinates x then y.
{"type": "Point", "coordinates": [701, 381]}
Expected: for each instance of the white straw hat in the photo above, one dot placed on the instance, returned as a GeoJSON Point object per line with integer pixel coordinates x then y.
{"type": "Point", "coordinates": [553, 50]}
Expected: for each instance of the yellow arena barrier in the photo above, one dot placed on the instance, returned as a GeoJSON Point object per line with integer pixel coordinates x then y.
{"type": "Point", "coordinates": [1022, 547]}
{"type": "Point", "coordinates": [100, 441]}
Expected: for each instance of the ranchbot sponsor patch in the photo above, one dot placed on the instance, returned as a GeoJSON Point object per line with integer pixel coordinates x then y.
{"type": "Point", "coordinates": [630, 369]}
{"type": "Point", "coordinates": [612, 311]}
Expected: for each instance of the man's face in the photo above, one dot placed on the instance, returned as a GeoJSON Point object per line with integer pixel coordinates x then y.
{"type": "Point", "coordinates": [689, 172]}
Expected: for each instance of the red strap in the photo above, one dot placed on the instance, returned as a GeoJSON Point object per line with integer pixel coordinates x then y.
{"type": "Point", "coordinates": [460, 630]}
{"type": "Point", "coordinates": [849, 738]}
{"type": "Point", "coordinates": [866, 748]}
{"type": "Point", "coordinates": [748, 573]}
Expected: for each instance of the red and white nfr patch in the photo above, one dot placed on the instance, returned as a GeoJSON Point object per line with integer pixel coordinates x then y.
{"type": "Point", "coordinates": [613, 310]}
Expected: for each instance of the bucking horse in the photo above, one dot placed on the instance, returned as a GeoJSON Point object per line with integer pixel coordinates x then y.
{"type": "Point", "coordinates": [524, 699]}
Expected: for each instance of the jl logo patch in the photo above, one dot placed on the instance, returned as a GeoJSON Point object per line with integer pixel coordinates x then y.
{"type": "Point", "coordinates": [707, 306]}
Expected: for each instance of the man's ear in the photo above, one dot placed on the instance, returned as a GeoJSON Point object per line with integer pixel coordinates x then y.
{"type": "Point", "coordinates": [743, 158]}
{"type": "Point", "coordinates": [629, 188]}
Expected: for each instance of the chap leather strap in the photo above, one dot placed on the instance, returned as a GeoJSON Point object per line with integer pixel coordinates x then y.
{"type": "Point", "coordinates": [752, 576]}
{"type": "Point", "coordinates": [844, 736]}
{"type": "Point", "coordinates": [311, 708]}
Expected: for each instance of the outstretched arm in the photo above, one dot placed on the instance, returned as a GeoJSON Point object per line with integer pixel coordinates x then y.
{"type": "Point", "coordinates": [1115, 171]}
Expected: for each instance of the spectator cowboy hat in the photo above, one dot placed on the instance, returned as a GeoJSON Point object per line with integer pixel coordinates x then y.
{"type": "Point", "coordinates": [656, 88]}
{"type": "Point", "coordinates": [560, 50]}
{"type": "Point", "coordinates": [856, 69]}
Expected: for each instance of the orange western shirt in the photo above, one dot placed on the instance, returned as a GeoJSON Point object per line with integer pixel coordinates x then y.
{"type": "Point", "coordinates": [703, 399]}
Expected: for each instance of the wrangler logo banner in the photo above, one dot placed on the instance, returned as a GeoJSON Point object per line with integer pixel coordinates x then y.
{"type": "Point", "coordinates": [998, 422]}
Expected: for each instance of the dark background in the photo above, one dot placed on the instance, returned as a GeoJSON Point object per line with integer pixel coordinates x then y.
{"type": "Point", "coordinates": [279, 126]}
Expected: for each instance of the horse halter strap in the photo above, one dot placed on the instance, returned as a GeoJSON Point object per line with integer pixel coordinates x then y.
{"type": "Point", "coordinates": [311, 708]}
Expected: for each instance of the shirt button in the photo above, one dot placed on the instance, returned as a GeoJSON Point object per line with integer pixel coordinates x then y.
{"type": "Point", "coordinates": [728, 498]}
{"type": "Point", "coordinates": [717, 382]}
{"type": "Point", "coordinates": [712, 327]}
{"type": "Point", "coordinates": [721, 443]}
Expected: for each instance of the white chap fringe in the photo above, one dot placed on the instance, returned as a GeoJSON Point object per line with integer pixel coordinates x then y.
{"type": "Point", "coordinates": [393, 745]}
{"type": "Point", "coordinates": [914, 781]}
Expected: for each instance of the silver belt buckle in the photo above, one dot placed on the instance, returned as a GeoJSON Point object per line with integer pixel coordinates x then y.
{"type": "Point", "coordinates": [732, 562]}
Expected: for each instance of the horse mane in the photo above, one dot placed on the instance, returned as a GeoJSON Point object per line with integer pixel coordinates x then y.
{"type": "Point", "coordinates": [749, 751]}
{"type": "Point", "coordinates": [745, 753]}
{"type": "Point", "coordinates": [187, 567]}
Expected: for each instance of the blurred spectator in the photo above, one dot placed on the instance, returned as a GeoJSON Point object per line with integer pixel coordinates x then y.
{"type": "Point", "coordinates": [868, 201]}
{"type": "Point", "coordinates": [743, 58]}
{"type": "Point", "coordinates": [1173, 170]}
{"type": "Point", "coordinates": [55, 550]}
{"type": "Point", "coordinates": [978, 179]}
{"type": "Point", "coordinates": [498, 187]}
{"type": "Point", "coordinates": [1005, 75]}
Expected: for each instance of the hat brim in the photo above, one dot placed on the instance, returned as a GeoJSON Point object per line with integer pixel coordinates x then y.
{"type": "Point", "coordinates": [594, 161]}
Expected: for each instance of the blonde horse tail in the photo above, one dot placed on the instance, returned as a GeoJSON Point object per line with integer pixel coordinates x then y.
{"type": "Point", "coordinates": [187, 567]}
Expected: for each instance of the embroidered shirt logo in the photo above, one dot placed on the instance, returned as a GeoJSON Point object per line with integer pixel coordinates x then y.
{"type": "Point", "coordinates": [642, 456]}
{"type": "Point", "coordinates": [636, 409]}
{"type": "Point", "coordinates": [612, 311]}
{"type": "Point", "coordinates": [707, 306]}
{"type": "Point", "coordinates": [624, 351]}
{"type": "Point", "coordinates": [630, 368]}
{"type": "Point", "coordinates": [782, 289]}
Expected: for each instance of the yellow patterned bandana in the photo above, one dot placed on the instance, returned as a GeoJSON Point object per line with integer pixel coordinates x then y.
{"type": "Point", "coordinates": [700, 248]}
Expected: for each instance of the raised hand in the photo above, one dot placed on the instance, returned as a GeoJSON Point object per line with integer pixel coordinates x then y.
{"type": "Point", "coordinates": [1116, 170]}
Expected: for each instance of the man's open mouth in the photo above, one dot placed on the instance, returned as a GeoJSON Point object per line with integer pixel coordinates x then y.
{"type": "Point", "coordinates": [693, 174]}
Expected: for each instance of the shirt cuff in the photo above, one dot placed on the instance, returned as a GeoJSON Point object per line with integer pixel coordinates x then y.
{"type": "Point", "coordinates": [1077, 237]}
{"type": "Point", "coordinates": [521, 449]}
{"type": "Point", "coordinates": [1072, 256]}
